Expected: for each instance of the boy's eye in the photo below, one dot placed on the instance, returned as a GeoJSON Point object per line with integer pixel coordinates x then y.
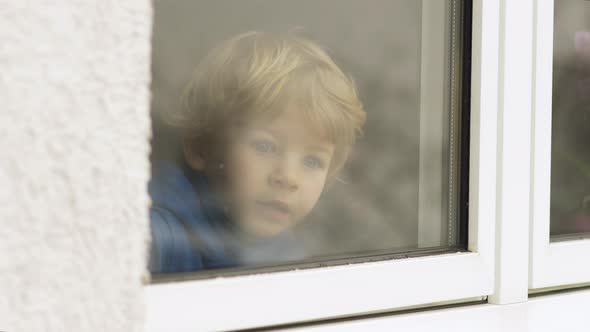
{"type": "Point", "coordinates": [264, 146]}
{"type": "Point", "coordinates": [313, 162]}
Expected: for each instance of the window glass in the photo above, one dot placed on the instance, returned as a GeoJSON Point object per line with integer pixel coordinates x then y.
{"type": "Point", "coordinates": [306, 132]}
{"type": "Point", "coordinates": [570, 156]}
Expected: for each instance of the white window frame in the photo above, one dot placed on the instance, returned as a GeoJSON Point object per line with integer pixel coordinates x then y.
{"type": "Point", "coordinates": [228, 303]}
{"type": "Point", "coordinates": [558, 263]}
{"type": "Point", "coordinates": [514, 151]}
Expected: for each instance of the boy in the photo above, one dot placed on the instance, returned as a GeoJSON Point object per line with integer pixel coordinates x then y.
{"type": "Point", "coordinates": [267, 120]}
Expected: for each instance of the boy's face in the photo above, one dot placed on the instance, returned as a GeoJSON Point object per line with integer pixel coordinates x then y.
{"type": "Point", "coordinates": [275, 171]}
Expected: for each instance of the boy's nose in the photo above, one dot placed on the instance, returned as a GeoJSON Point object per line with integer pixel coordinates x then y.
{"type": "Point", "coordinates": [284, 176]}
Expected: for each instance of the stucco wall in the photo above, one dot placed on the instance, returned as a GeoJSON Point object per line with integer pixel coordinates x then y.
{"type": "Point", "coordinates": [74, 130]}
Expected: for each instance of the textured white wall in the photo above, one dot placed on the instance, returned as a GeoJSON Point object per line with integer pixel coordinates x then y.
{"type": "Point", "coordinates": [74, 130]}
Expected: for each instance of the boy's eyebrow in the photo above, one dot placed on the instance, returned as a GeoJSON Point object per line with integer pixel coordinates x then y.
{"type": "Point", "coordinates": [327, 148]}
{"type": "Point", "coordinates": [322, 149]}
{"type": "Point", "coordinates": [270, 132]}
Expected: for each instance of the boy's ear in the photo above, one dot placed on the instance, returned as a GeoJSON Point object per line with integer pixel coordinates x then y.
{"type": "Point", "coordinates": [193, 156]}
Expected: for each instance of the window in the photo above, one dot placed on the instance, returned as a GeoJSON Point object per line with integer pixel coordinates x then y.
{"type": "Point", "coordinates": [570, 155]}
{"type": "Point", "coordinates": [561, 183]}
{"type": "Point", "coordinates": [406, 179]}
{"type": "Point", "coordinates": [400, 188]}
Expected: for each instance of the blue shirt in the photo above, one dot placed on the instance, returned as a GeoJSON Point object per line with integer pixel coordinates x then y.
{"type": "Point", "coordinates": [191, 232]}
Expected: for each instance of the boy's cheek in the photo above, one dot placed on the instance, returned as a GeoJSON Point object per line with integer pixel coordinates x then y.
{"type": "Point", "coordinates": [243, 166]}
{"type": "Point", "coordinates": [317, 181]}
{"type": "Point", "coordinates": [315, 187]}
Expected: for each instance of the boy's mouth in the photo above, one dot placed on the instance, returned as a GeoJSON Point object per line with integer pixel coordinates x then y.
{"type": "Point", "coordinates": [274, 208]}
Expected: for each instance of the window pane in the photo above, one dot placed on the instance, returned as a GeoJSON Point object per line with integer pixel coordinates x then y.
{"type": "Point", "coordinates": [570, 156]}
{"type": "Point", "coordinates": [255, 107]}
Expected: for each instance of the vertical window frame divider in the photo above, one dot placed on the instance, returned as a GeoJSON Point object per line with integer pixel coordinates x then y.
{"type": "Point", "coordinates": [258, 300]}
{"type": "Point", "coordinates": [513, 192]}
{"type": "Point", "coordinates": [560, 263]}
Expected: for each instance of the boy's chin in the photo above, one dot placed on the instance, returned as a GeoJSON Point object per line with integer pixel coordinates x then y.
{"type": "Point", "coordinates": [263, 228]}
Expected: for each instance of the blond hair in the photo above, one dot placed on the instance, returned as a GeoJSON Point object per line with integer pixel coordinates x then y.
{"type": "Point", "coordinates": [254, 73]}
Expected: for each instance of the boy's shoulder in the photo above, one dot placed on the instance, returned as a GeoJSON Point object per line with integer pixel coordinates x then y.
{"type": "Point", "coordinates": [183, 237]}
{"type": "Point", "coordinates": [171, 250]}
